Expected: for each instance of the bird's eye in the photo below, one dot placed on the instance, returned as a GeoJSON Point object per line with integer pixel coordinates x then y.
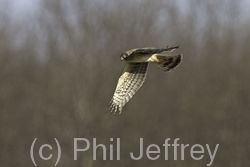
{"type": "Point", "coordinates": [124, 56]}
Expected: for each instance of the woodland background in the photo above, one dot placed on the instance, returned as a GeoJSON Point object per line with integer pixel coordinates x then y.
{"type": "Point", "coordinates": [59, 66]}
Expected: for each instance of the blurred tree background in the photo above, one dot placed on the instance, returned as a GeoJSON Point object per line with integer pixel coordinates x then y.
{"type": "Point", "coordinates": [59, 66]}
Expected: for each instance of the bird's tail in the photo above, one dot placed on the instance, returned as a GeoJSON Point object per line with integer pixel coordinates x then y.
{"type": "Point", "coordinates": [167, 62]}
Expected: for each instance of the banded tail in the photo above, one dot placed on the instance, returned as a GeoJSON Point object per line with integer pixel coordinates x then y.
{"type": "Point", "coordinates": [166, 62]}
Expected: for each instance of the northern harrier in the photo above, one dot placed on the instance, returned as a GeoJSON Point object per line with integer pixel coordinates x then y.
{"type": "Point", "coordinates": [135, 70]}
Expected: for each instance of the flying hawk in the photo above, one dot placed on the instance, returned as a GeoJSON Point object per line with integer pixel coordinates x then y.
{"type": "Point", "coordinates": [135, 70]}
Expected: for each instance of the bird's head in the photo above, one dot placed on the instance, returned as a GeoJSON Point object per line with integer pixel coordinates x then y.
{"type": "Point", "coordinates": [124, 56]}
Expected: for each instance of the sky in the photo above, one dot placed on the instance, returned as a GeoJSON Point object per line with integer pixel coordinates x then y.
{"type": "Point", "coordinates": [20, 8]}
{"type": "Point", "coordinates": [25, 12]}
{"type": "Point", "coordinates": [23, 9]}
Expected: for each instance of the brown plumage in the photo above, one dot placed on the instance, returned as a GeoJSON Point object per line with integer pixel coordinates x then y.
{"type": "Point", "coordinates": [135, 71]}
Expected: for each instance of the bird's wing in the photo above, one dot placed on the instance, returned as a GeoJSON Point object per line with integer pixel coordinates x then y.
{"type": "Point", "coordinates": [130, 81]}
{"type": "Point", "coordinates": [154, 50]}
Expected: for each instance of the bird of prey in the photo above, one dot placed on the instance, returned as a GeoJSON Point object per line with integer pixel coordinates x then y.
{"type": "Point", "coordinates": [135, 70]}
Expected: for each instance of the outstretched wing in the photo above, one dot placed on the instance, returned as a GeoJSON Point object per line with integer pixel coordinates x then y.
{"type": "Point", "coordinates": [154, 50]}
{"type": "Point", "coordinates": [130, 81]}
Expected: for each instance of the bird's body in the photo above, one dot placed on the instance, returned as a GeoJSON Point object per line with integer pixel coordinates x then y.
{"type": "Point", "coordinates": [135, 70]}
